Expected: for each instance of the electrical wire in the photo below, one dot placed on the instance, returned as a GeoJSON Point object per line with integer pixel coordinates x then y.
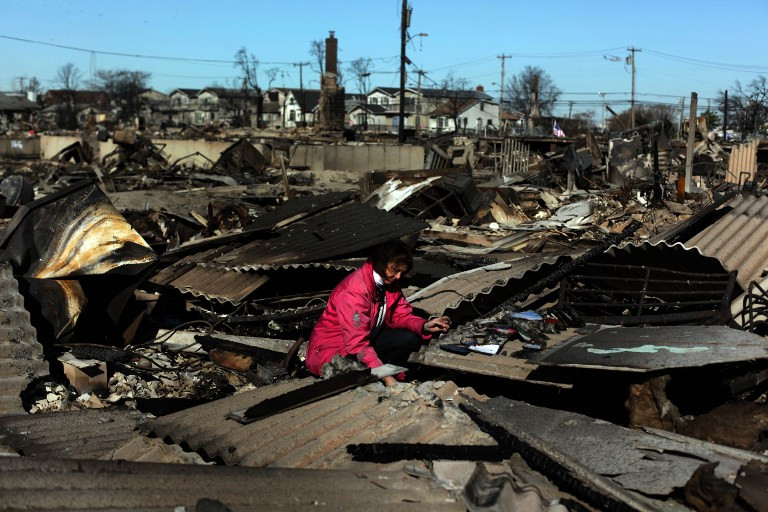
{"type": "Point", "coordinates": [749, 68]}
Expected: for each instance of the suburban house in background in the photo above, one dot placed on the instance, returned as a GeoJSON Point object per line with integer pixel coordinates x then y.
{"type": "Point", "coordinates": [68, 109]}
{"type": "Point", "coordinates": [430, 110]}
{"type": "Point", "coordinates": [426, 110]}
{"type": "Point", "coordinates": [298, 103]}
{"type": "Point", "coordinates": [15, 109]}
{"type": "Point", "coordinates": [182, 103]}
{"type": "Point", "coordinates": [474, 110]}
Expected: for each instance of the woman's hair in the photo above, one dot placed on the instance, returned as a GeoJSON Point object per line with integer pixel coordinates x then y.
{"type": "Point", "coordinates": [391, 251]}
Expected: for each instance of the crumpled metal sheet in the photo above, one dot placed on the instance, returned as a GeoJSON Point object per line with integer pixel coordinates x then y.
{"type": "Point", "coordinates": [76, 239]}
{"type": "Point", "coordinates": [74, 232]}
{"type": "Point", "coordinates": [69, 297]}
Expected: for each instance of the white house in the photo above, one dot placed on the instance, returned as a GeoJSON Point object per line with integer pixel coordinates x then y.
{"type": "Point", "coordinates": [298, 102]}
{"type": "Point", "coordinates": [474, 116]}
{"type": "Point", "coordinates": [183, 103]}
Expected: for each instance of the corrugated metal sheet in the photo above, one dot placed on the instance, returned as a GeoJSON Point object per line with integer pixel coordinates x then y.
{"type": "Point", "coordinates": [516, 364]}
{"type": "Point", "coordinates": [327, 266]}
{"type": "Point", "coordinates": [613, 467]}
{"type": "Point", "coordinates": [21, 356]}
{"type": "Point", "coordinates": [742, 164]}
{"type": "Point", "coordinates": [316, 435]}
{"type": "Point", "coordinates": [336, 232]}
{"type": "Point", "coordinates": [739, 239]}
{"type": "Point", "coordinates": [84, 434]}
{"type": "Point", "coordinates": [650, 283]}
{"type": "Point", "coordinates": [214, 282]}
{"type": "Point", "coordinates": [30, 483]}
{"type": "Point", "coordinates": [450, 292]}
{"type": "Point", "coordinates": [218, 284]}
{"type": "Point", "coordinates": [302, 206]}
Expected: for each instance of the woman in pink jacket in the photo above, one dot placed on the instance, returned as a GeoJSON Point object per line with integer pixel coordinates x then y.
{"type": "Point", "coordinates": [368, 318]}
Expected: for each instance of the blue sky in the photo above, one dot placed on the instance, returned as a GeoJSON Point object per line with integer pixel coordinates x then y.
{"type": "Point", "coordinates": [701, 46]}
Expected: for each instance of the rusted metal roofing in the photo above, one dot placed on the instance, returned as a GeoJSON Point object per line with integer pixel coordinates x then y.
{"type": "Point", "coordinates": [21, 356]}
{"type": "Point", "coordinates": [336, 232]}
{"type": "Point", "coordinates": [739, 239]}
{"type": "Point", "coordinates": [84, 434]}
{"type": "Point", "coordinates": [31, 483]}
{"type": "Point", "coordinates": [499, 278]}
{"type": "Point", "coordinates": [317, 435]}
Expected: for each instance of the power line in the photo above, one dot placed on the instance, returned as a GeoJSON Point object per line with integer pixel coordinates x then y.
{"type": "Point", "coordinates": [154, 57]}
{"type": "Point", "coordinates": [712, 64]}
{"type": "Point", "coordinates": [120, 54]}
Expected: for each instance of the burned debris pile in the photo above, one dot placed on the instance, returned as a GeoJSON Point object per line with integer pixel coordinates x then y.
{"type": "Point", "coordinates": [608, 315]}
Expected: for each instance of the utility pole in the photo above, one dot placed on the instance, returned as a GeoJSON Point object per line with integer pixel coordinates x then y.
{"type": "Point", "coordinates": [725, 118]}
{"type": "Point", "coordinates": [632, 110]}
{"type": "Point", "coordinates": [691, 142]}
{"type": "Point", "coordinates": [570, 109]}
{"type": "Point", "coordinates": [418, 101]}
{"type": "Point", "coordinates": [404, 23]}
{"type": "Point", "coordinates": [303, 102]}
{"type": "Point", "coordinates": [682, 115]}
{"type": "Point", "coordinates": [503, 57]}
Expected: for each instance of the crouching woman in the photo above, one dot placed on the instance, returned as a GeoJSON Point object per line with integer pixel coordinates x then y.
{"type": "Point", "coordinates": [367, 318]}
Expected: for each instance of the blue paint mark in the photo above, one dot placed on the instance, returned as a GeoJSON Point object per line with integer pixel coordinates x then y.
{"type": "Point", "coordinates": [647, 349]}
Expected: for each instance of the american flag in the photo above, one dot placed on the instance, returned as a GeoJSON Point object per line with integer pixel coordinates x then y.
{"type": "Point", "coordinates": [557, 131]}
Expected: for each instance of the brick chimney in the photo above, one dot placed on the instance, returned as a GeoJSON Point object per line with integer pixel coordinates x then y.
{"type": "Point", "coordinates": [480, 88]}
{"type": "Point", "coordinates": [331, 51]}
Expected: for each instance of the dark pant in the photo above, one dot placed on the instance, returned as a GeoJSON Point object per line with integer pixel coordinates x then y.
{"type": "Point", "coordinates": [394, 346]}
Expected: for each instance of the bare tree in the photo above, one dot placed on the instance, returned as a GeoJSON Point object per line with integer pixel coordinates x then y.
{"type": "Point", "coordinates": [646, 114]}
{"type": "Point", "coordinates": [580, 122]}
{"type": "Point", "coordinates": [521, 85]}
{"type": "Point", "coordinates": [747, 106]}
{"type": "Point", "coordinates": [272, 75]}
{"type": "Point", "coordinates": [34, 86]}
{"type": "Point", "coordinates": [361, 70]}
{"type": "Point", "coordinates": [456, 95]}
{"type": "Point", "coordinates": [124, 87]}
{"type": "Point", "coordinates": [249, 69]}
{"type": "Point", "coordinates": [68, 77]}
{"type": "Point", "coordinates": [317, 50]}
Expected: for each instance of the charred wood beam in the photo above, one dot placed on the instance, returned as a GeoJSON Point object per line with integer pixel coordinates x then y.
{"type": "Point", "coordinates": [303, 396]}
{"type": "Point", "coordinates": [384, 453]}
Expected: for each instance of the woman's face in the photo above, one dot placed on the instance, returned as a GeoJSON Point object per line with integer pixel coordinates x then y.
{"type": "Point", "coordinates": [393, 272]}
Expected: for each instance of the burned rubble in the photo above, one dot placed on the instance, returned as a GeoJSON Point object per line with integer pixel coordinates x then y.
{"type": "Point", "coordinates": [607, 349]}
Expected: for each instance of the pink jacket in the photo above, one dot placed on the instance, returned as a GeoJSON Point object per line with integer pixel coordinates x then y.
{"type": "Point", "coordinates": [345, 325]}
